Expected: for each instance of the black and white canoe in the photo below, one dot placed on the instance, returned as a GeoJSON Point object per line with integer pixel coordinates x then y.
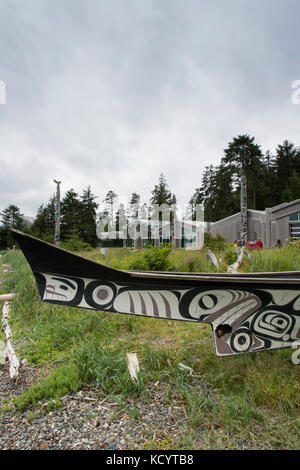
{"type": "Point", "coordinates": [248, 312]}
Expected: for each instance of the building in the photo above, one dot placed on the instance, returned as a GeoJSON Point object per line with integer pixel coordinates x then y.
{"type": "Point", "coordinates": [274, 223]}
{"type": "Point", "coordinates": [183, 234]}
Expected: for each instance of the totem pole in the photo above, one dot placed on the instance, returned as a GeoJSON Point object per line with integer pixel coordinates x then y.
{"type": "Point", "coordinates": [244, 229]}
{"type": "Point", "coordinates": [57, 213]}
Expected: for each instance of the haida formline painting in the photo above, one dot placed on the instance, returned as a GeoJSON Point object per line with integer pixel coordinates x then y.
{"type": "Point", "coordinates": [247, 312]}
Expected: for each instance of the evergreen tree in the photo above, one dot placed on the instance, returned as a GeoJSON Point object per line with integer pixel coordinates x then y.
{"type": "Point", "coordinates": [197, 198]}
{"type": "Point", "coordinates": [109, 201]}
{"type": "Point", "coordinates": [292, 190]}
{"type": "Point", "coordinates": [44, 222]}
{"type": "Point", "coordinates": [71, 212]}
{"type": "Point", "coordinates": [286, 158]}
{"type": "Point", "coordinates": [87, 218]}
{"type": "Point", "coordinates": [11, 217]}
{"type": "Point", "coordinates": [161, 193]}
{"type": "Point", "coordinates": [134, 205]}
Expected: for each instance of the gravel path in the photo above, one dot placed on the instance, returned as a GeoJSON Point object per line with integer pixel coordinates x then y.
{"type": "Point", "coordinates": [86, 419]}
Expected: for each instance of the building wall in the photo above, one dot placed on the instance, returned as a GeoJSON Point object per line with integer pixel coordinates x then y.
{"type": "Point", "coordinates": [270, 225]}
{"type": "Point", "coordinates": [229, 228]}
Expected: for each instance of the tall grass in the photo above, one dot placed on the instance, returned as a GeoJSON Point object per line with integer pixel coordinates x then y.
{"type": "Point", "coordinates": [274, 260]}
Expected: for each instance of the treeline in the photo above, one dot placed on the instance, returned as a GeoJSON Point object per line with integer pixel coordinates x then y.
{"type": "Point", "coordinates": [271, 180]}
{"type": "Point", "coordinates": [80, 215]}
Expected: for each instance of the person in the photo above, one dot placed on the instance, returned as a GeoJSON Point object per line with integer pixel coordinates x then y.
{"type": "Point", "coordinates": [259, 244]}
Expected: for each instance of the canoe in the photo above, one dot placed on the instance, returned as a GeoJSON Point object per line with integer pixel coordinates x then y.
{"type": "Point", "coordinates": [248, 312]}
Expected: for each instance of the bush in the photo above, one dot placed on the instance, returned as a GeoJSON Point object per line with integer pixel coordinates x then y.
{"type": "Point", "coordinates": [214, 243]}
{"type": "Point", "coordinates": [152, 259]}
{"type": "Point", "coordinates": [230, 255]}
{"type": "Point", "coordinates": [75, 244]}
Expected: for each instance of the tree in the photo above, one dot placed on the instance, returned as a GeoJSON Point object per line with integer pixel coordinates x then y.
{"type": "Point", "coordinates": [44, 222]}
{"type": "Point", "coordinates": [162, 197]}
{"type": "Point", "coordinates": [161, 193]}
{"type": "Point", "coordinates": [134, 205]}
{"type": "Point", "coordinates": [71, 212]}
{"type": "Point", "coordinates": [285, 161]}
{"type": "Point", "coordinates": [292, 190]}
{"type": "Point", "coordinates": [109, 202]}
{"type": "Point", "coordinates": [11, 218]}
{"type": "Point", "coordinates": [87, 218]}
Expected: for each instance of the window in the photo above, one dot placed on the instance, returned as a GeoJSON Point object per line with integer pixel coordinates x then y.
{"type": "Point", "coordinates": [294, 217]}
{"type": "Point", "coordinates": [295, 230]}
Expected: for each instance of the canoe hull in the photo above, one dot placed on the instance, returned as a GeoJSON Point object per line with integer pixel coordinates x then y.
{"type": "Point", "coordinates": [247, 313]}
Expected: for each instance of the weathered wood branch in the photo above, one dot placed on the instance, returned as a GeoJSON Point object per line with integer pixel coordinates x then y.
{"type": "Point", "coordinates": [235, 266]}
{"type": "Point", "coordinates": [6, 297]}
{"type": "Point", "coordinates": [213, 258]}
{"type": "Point", "coordinates": [9, 352]}
{"type": "Point", "coordinates": [133, 365]}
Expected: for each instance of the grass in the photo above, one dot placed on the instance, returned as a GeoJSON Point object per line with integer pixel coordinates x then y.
{"type": "Point", "coordinates": [247, 401]}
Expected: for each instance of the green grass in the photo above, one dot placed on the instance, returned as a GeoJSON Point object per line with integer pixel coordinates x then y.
{"type": "Point", "coordinates": [61, 380]}
{"type": "Point", "coordinates": [245, 401]}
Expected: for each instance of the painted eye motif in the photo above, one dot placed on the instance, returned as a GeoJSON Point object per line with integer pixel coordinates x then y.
{"type": "Point", "coordinates": [103, 295]}
{"type": "Point", "coordinates": [99, 294]}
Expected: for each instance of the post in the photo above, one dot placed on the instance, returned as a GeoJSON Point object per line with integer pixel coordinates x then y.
{"type": "Point", "coordinates": [244, 227]}
{"type": "Point", "coordinates": [57, 213]}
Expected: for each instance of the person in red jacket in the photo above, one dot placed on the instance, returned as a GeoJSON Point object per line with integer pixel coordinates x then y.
{"type": "Point", "coordinates": [259, 244]}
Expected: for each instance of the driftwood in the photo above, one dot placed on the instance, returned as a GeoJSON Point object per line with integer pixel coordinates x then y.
{"type": "Point", "coordinates": [133, 365]}
{"type": "Point", "coordinates": [6, 297]}
{"type": "Point", "coordinates": [296, 354]}
{"type": "Point", "coordinates": [187, 368]}
{"type": "Point", "coordinates": [213, 258]}
{"type": "Point", "coordinates": [9, 352]}
{"type": "Point", "coordinates": [235, 266]}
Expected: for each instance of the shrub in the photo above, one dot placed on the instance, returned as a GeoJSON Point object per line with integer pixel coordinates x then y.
{"type": "Point", "coordinates": [214, 243]}
{"type": "Point", "coordinates": [230, 255]}
{"type": "Point", "coordinates": [152, 259]}
{"type": "Point", "coordinates": [75, 244]}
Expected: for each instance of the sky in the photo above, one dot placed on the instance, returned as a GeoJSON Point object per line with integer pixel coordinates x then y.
{"type": "Point", "coordinates": [112, 93]}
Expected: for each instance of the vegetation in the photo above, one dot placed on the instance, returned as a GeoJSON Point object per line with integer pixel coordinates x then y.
{"type": "Point", "coordinates": [271, 178]}
{"type": "Point", "coordinates": [246, 401]}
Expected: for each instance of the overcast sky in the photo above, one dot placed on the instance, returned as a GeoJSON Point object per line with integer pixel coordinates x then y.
{"type": "Point", "coordinates": [110, 93]}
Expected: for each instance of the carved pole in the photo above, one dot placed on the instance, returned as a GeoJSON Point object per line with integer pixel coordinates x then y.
{"type": "Point", "coordinates": [57, 213]}
{"type": "Point", "coordinates": [244, 228]}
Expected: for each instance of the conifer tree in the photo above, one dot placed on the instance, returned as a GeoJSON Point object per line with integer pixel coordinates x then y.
{"type": "Point", "coordinates": [87, 218]}
{"type": "Point", "coordinates": [44, 222]}
{"type": "Point", "coordinates": [70, 215]}
{"type": "Point", "coordinates": [11, 217]}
